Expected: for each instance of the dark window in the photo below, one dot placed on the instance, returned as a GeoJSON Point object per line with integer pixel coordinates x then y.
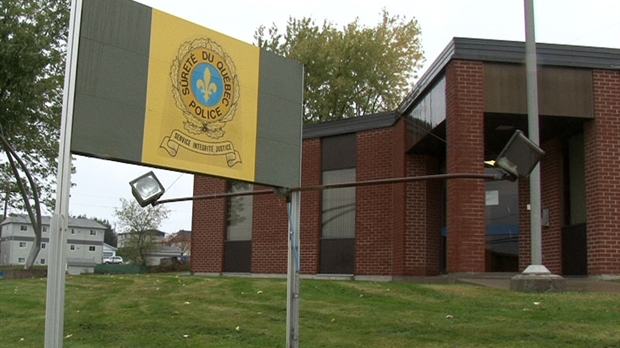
{"type": "Point", "coordinates": [338, 214]}
{"type": "Point", "coordinates": [240, 211]}
{"type": "Point", "coordinates": [337, 244]}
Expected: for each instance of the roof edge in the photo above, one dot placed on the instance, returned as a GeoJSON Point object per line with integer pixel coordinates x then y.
{"type": "Point", "coordinates": [350, 125]}
{"type": "Point", "coordinates": [503, 51]}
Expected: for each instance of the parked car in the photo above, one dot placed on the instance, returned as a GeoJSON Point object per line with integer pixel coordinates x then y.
{"type": "Point", "coordinates": [113, 259]}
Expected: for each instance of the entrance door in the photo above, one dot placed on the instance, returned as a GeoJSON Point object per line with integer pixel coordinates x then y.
{"type": "Point", "coordinates": [574, 231]}
{"type": "Point", "coordinates": [502, 225]}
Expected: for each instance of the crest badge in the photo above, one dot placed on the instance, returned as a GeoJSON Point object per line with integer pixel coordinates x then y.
{"type": "Point", "coordinates": [205, 88]}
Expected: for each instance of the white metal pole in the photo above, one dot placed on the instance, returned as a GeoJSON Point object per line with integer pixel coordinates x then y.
{"type": "Point", "coordinates": [536, 265]}
{"type": "Point", "coordinates": [292, 300]}
{"type": "Point", "coordinates": [54, 314]}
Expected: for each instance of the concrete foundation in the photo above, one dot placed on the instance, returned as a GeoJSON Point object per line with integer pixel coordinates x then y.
{"type": "Point", "coordinates": [538, 283]}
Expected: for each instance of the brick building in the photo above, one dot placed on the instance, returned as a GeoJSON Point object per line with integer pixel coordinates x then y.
{"type": "Point", "coordinates": [461, 113]}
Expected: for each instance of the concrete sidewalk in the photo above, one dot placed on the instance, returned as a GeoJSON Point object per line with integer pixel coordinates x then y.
{"type": "Point", "coordinates": [502, 281]}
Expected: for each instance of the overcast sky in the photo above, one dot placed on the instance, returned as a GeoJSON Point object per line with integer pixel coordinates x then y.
{"type": "Point", "coordinates": [100, 184]}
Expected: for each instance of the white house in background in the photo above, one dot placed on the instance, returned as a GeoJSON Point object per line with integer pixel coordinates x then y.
{"type": "Point", "coordinates": [108, 251]}
{"type": "Point", "coordinates": [84, 242]}
{"type": "Point", "coordinates": [160, 251]}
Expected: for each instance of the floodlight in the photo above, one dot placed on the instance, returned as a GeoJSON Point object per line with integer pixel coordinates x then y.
{"type": "Point", "coordinates": [519, 156]}
{"type": "Point", "coordinates": [146, 189]}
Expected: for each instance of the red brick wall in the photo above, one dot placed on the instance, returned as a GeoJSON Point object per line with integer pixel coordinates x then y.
{"type": "Point", "coordinates": [310, 219]}
{"type": "Point", "coordinates": [374, 204]}
{"type": "Point", "coordinates": [269, 233]}
{"type": "Point", "coordinates": [208, 226]}
{"type": "Point", "coordinates": [399, 196]}
{"type": "Point", "coordinates": [525, 240]}
{"type": "Point", "coordinates": [602, 163]}
{"type": "Point", "coordinates": [551, 192]}
{"type": "Point", "coordinates": [466, 241]}
{"type": "Point", "coordinates": [423, 222]}
{"type": "Point", "coordinates": [270, 223]}
{"type": "Point", "coordinates": [551, 199]}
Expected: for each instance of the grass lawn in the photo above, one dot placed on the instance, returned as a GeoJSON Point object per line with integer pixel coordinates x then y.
{"type": "Point", "coordinates": [187, 311]}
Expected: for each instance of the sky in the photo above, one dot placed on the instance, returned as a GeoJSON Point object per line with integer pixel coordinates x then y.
{"type": "Point", "coordinates": [100, 184]}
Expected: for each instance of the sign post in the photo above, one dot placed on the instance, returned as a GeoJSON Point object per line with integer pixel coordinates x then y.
{"type": "Point", "coordinates": [294, 260]}
{"type": "Point", "coordinates": [55, 298]}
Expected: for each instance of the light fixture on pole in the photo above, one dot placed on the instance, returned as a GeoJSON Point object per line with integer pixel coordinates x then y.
{"type": "Point", "coordinates": [146, 189]}
{"type": "Point", "coordinates": [519, 156]}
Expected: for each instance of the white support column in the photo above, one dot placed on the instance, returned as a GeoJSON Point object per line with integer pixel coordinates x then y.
{"type": "Point", "coordinates": [292, 301]}
{"type": "Point", "coordinates": [55, 298]}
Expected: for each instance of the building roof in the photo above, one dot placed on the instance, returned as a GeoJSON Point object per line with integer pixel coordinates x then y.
{"type": "Point", "coordinates": [46, 220]}
{"type": "Point", "coordinates": [108, 246]}
{"type": "Point", "coordinates": [501, 51]}
{"type": "Point", "coordinates": [350, 125]}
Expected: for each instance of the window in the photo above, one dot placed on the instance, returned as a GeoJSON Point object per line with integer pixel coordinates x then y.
{"type": "Point", "coordinates": [43, 245]}
{"type": "Point", "coordinates": [23, 228]}
{"type": "Point", "coordinates": [42, 261]}
{"type": "Point", "coordinates": [73, 231]}
{"type": "Point", "coordinates": [93, 232]}
{"type": "Point", "coordinates": [502, 225]}
{"type": "Point", "coordinates": [240, 212]}
{"type": "Point", "coordinates": [338, 215]}
{"type": "Point", "coordinates": [72, 247]}
{"type": "Point", "coordinates": [22, 244]}
{"type": "Point", "coordinates": [91, 248]}
{"type": "Point", "coordinates": [44, 228]}
{"type": "Point", "coordinates": [21, 260]}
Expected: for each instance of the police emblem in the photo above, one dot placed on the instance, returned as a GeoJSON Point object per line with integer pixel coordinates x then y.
{"type": "Point", "coordinates": [205, 87]}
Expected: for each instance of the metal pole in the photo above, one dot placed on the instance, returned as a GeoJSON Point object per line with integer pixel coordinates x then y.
{"type": "Point", "coordinates": [404, 179]}
{"type": "Point", "coordinates": [292, 284]}
{"type": "Point", "coordinates": [55, 298]}
{"type": "Point", "coordinates": [532, 110]}
{"type": "Point", "coordinates": [215, 195]}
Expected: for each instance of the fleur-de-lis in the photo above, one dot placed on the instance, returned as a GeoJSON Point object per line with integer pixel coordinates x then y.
{"type": "Point", "coordinates": [205, 85]}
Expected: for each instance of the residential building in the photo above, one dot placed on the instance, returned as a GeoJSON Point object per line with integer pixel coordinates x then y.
{"type": "Point", "coordinates": [182, 240]}
{"type": "Point", "coordinates": [108, 251]}
{"type": "Point", "coordinates": [160, 252]}
{"type": "Point", "coordinates": [84, 241]}
{"type": "Point", "coordinates": [461, 113]}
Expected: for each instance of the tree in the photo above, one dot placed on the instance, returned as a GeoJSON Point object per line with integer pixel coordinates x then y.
{"type": "Point", "coordinates": [353, 71]}
{"type": "Point", "coordinates": [138, 228]}
{"type": "Point", "coordinates": [33, 35]}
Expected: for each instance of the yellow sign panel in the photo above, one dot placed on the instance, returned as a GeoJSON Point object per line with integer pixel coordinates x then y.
{"type": "Point", "coordinates": [202, 100]}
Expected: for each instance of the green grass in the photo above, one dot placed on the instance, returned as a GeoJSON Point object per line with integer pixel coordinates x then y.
{"type": "Point", "coordinates": [186, 311]}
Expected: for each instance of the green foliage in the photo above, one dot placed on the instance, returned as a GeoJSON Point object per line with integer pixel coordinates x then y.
{"type": "Point", "coordinates": [33, 35]}
{"type": "Point", "coordinates": [138, 228]}
{"type": "Point", "coordinates": [154, 310]}
{"type": "Point", "coordinates": [351, 71]}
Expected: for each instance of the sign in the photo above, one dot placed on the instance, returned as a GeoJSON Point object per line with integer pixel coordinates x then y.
{"type": "Point", "coordinates": [157, 90]}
